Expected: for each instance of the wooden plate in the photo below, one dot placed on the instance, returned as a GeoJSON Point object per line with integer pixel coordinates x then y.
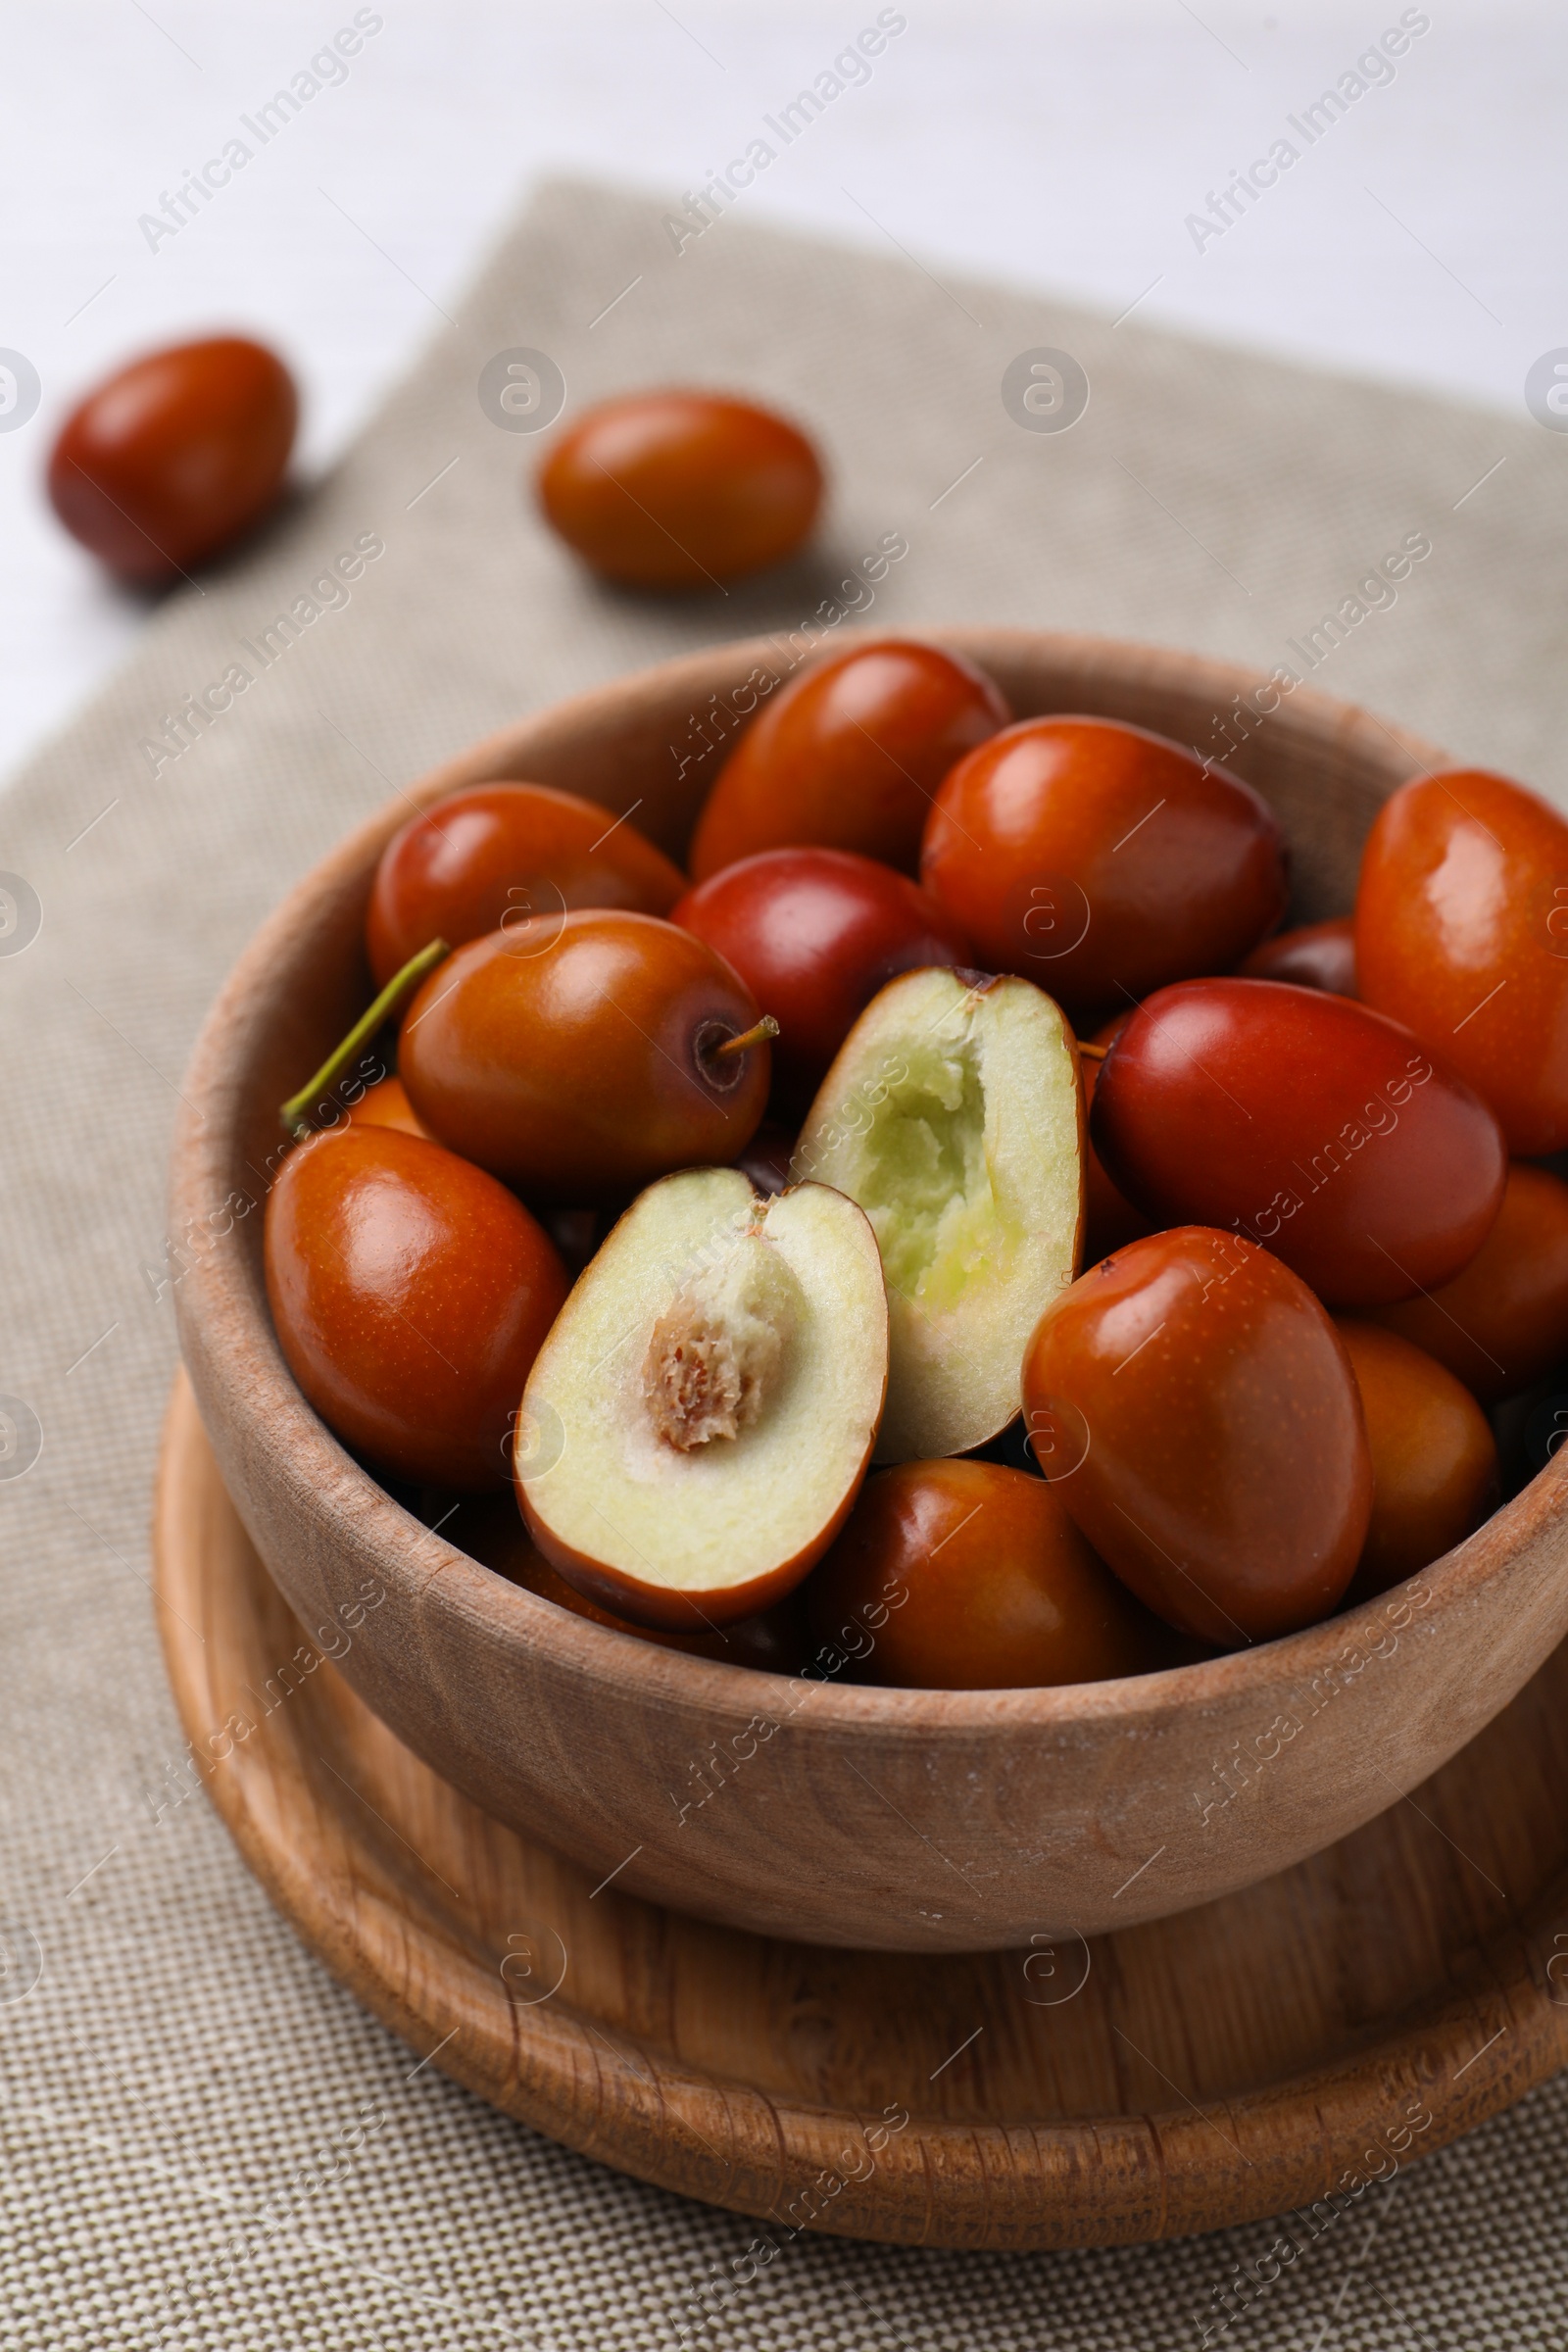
{"type": "Point", "coordinates": [1236, 2061]}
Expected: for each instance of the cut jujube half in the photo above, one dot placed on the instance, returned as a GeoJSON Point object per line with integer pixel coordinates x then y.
{"type": "Point", "coordinates": [698, 1422]}
{"type": "Point", "coordinates": [953, 1116]}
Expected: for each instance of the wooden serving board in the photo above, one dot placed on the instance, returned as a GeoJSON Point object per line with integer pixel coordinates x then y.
{"type": "Point", "coordinates": [1340, 2020]}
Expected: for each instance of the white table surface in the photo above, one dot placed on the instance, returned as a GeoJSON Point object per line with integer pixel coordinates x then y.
{"type": "Point", "coordinates": [1422, 241]}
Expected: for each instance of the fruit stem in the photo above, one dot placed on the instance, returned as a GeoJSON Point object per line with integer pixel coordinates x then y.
{"type": "Point", "coordinates": [1093, 1053]}
{"type": "Point", "coordinates": [765, 1028]}
{"type": "Point", "coordinates": [295, 1112]}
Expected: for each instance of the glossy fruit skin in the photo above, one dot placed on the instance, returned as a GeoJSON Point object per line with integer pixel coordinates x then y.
{"type": "Point", "coordinates": [410, 1294]}
{"type": "Point", "coordinates": [510, 855]}
{"type": "Point", "coordinates": [1461, 932]}
{"type": "Point", "coordinates": [386, 1104]}
{"type": "Point", "coordinates": [168, 460]}
{"type": "Point", "coordinates": [1195, 1408]}
{"type": "Point", "coordinates": [814, 934]}
{"type": "Point", "coordinates": [1101, 861]}
{"type": "Point", "coordinates": [964, 1576]}
{"type": "Point", "coordinates": [492, 1531]}
{"type": "Point", "coordinates": [574, 1072]}
{"type": "Point", "coordinates": [1313, 955]}
{"type": "Point", "coordinates": [1503, 1322]}
{"type": "Point", "coordinates": [1434, 1458]}
{"type": "Point", "coordinates": [849, 756]}
{"type": "Point", "coordinates": [1329, 1134]}
{"type": "Point", "coordinates": [681, 489]}
{"type": "Point", "coordinates": [1109, 1217]}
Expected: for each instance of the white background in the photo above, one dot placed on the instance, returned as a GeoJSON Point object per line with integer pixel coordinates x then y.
{"type": "Point", "coordinates": [1424, 240]}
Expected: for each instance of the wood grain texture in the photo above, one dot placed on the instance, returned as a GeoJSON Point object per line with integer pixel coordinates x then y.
{"type": "Point", "coordinates": [892, 1818]}
{"type": "Point", "coordinates": [1237, 2061]}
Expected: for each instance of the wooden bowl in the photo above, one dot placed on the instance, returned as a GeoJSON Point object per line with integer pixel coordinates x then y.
{"type": "Point", "coordinates": [900, 1820]}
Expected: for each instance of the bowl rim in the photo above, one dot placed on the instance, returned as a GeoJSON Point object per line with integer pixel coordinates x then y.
{"type": "Point", "coordinates": [232, 1310]}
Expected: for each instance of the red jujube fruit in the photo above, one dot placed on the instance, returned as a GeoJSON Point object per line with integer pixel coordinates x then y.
{"type": "Point", "coordinates": [1194, 1408]}
{"type": "Point", "coordinates": [681, 489]}
{"type": "Point", "coordinates": [175, 454]}
{"type": "Point", "coordinates": [814, 934]}
{"type": "Point", "coordinates": [1100, 862]}
{"type": "Point", "coordinates": [1461, 932]}
{"type": "Point", "coordinates": [581, 1071]}
{"type": "Point", "coordinates": [410, 1294]}
{"type": "Point", "coordinates": [1502, 1321]}
{"type": "Point", "coordinates": [1313, 955]}
{"type": "Point", "coordinates": [1433, 1457]}
{"type": "Point", "coordinates": [1323, 1130]}
{"type": "Point", "coordinates": [847, 756]}
{"type": "Point", "coordinates": [519, 855]}
{"type": "Point", "coordinates": [968, 1576]}
{"type": "Point", "coordinates": [1109, 1217]}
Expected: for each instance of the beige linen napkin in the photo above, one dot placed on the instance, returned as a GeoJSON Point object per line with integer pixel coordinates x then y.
{"type": "Point", "coordinates": [180, 2056]}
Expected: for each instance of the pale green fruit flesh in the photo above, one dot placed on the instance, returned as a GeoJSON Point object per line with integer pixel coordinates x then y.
{"type": "Point", "coordinates": [953, 1115]}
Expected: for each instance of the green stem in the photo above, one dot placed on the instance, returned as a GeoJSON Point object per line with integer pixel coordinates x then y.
{"type": "Point", "coordinates": [295, 1112]}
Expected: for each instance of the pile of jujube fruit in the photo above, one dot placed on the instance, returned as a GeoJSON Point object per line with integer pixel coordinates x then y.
{"type": "Point", "coordinates": [950, 1227]}
{"type": "Point", "coordinates": [696, 1193]}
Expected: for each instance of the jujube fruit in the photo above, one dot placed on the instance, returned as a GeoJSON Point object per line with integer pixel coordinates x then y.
{"type": "Point", "coordinates": [965, 1576]}
{"type": "Point", "coordinates": [587, 1068]}
{"type": "Point", "coordinates": [1109, 1217]}
{"type": "Point", "coordinates": [1433, 1457]}
{"type": "Point", "coordinates": [1461, 932]}
{"type": "Point", "coordinates": [1503, 1322]}
{"type": "Point", "coordinates": [169, 459]}
{"type": "Point", "coordinates": [1195, 1408]}
{"type": "Point", "coordinates": [953, 1114]}
{"type": "Point", "coordinates": [410, 1294]}
{"type": "Point", "coordinates": [814, 934]}
{"type": "Point", "coordinates": [849, 756]}
{"type": "Point", "coordinates": [507, 854]}
{"type": "Point", "coordinates": [1313, 955]}
{"type": "Point", "coordinates": [712, 1391]}
{"type": "Point", "coordinates": [1346, 1146]}
{"type": "Point", "coordinates": [681, 489]}
{"type": "Point", "coordinates": [1101, 861]}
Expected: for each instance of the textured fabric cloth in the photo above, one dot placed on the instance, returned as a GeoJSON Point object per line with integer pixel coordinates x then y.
{"type": "Point", "coordinates": [179, 2057]}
